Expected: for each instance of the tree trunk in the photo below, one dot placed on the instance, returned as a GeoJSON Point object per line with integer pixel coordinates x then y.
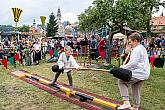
{"type": "Point", "coordinates": [148, 34]}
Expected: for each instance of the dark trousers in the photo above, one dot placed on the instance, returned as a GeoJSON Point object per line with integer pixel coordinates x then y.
{"type": "Point", "coordinates": [69, 77]}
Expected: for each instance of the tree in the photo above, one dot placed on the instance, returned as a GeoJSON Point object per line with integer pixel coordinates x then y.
{"type": "Point", "coordinates": [135, 13]}
{"type": "Point", "coordinates": [6, 28]}
{"type": "Point", "coordinates": [24, 28]}
{"type": "Point", "coordinates": [52, 26]}
{"type": "Point", "coordinates": [150, 7]}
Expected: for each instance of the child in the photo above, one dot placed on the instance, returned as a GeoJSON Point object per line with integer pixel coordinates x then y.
{"type": "Point", "coordinates": [66, 60]}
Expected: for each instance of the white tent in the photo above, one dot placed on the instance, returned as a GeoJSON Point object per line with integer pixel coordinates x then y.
{"type": "Point", "coordinates": [119, 36]}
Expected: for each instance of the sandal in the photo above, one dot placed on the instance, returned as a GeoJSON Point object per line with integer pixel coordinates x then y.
{"type": "Point", "coordinates": [124, 106]}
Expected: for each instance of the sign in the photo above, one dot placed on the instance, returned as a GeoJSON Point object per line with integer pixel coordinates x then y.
{"type": "Point", "coordinates": [16, 12]}
{"type": "Point", "coordinates": [43, 18]}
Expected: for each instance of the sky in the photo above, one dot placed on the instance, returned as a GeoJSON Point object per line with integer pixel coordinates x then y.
{"type": "Point", "coordinates": [33, 9]}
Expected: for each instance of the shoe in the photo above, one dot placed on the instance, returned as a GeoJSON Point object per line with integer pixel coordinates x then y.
{"type": "Point", "coordinates": [124, 106]}
{"type": "Point", "coordinates": [131, 108]}
{"type": "Point", "coordinates": [135, 108]}
{"type": "Point", "coordinates": [106, 64]}
{"type": "Point", "coordinates": [52, 83]}
{"type": "Point", "coordinates": [71, 88]}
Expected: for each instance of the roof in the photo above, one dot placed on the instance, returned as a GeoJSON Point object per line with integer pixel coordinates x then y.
{"type": "Point", "coordinates": [68, 35]}
{"type": "Point", "coordinates": [158, 21]}
{"type": "Point", "coordinates": [118, 36]}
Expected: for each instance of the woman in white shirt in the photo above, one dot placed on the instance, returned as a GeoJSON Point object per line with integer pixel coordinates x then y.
{"type": "Point", "coordinates": [66, 60]}
{"type": "Point", "coordinates": [37, 49]}
{"type": "Point", "coordinates": [140, 67]}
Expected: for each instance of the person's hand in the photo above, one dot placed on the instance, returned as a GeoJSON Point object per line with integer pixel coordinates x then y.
{"type": "Point", "coordinates": [79, 67]}
{"type": "Point", "coordinates": [121, 66]}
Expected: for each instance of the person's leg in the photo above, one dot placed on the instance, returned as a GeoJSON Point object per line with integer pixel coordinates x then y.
{"type": "Point", "coordinates": [123, 87]}
{"type": "Point", "coordinates": [136, 93]}
{"type": "Point", "coordinates": [70, 78]}
{"type": "Point", "coordinates": [55, 77]}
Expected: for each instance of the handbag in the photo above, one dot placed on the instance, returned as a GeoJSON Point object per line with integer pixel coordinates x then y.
{"type": "Point", "coordinates": [123, 74]}
{"type": "Point", "coordinates": [55, 68]}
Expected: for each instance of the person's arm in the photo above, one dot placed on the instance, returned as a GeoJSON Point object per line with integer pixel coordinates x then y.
{"type": "Point", "coordinates": [134, 59]}
{"type": "Point", "coordinates": [74, 63]}
{"type": "Point", "coordinates": [60, 61]}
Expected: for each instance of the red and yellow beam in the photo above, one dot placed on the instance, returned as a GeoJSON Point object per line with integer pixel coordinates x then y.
{"type": "Point", "coordinates": [83, 97]}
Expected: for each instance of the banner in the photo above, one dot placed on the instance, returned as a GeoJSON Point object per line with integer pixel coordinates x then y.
{"type": "Point", "coordinates": [43, 18]}
{"type": "Point", "coordinates": [16, 57]}
{"type": "Point", "coordinates": [11, 60]}
{"type": "Point", "coordinates": [4, 62]}
{"type": "Point", "coordinates": [151, 48]}
{"type": "Point", "coordinates": [16, 12]}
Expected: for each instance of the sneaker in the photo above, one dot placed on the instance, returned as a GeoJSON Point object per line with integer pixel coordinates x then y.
{"type": "Point", "coordinates": [106, 64]}
{"type": "Point", "coordinates": [52, 82]}
{"type": "Point", "coordinates": [71, 88]}
{"type": "Point", "coordinates": [124, 106]}
{"type": "Point", "coordinates": [135, 108]}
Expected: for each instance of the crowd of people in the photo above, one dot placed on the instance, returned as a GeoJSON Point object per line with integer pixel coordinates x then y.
{"type": "Point", "coordinates": [31, 51]}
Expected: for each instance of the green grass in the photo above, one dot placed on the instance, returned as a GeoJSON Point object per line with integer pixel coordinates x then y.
{"type": "Point", "coordinates": [18, 95]}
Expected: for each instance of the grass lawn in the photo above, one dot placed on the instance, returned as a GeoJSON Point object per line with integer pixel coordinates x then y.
{"type": "Point", "coordinates": [18, 95]}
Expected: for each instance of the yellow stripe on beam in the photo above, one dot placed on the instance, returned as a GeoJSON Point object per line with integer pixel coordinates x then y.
{"type": "Point", "coordinates": [73, 92]}
{"type": "Point", "coordinates": [28, 75]}
{"type": "Point", "coordinates": [44, 81]}
{"type": "Point", "coordinates": [64, 89]}
{"type": "Point", "coordinates": [107, 104]}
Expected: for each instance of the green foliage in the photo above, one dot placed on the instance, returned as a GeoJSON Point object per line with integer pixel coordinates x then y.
{"type": "Point", "coordinates": [52, 26]}
{"type": "Point", "coordinates": [96, 16]}
{"type": "Point", "coordinates": [24, 28]}
{"type": "Point", "coordinates": [163, 28]}
{"type": "Point", "coordinates": [6, 28]}
{"type": "Point", "coordinates": [136, 13]}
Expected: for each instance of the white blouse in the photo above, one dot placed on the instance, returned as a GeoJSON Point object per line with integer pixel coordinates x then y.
{"type": "Point", "coordinates": [139, 63]}
{"type": "Point", "coordinates": [63, 62]}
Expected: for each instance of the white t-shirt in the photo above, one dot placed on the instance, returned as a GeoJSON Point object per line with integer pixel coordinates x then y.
{"type": "Point", "coordinates": [37, 47]}
{"type": "Point", "coordinates": [139, 63]}
{"type": "Point", "coordinates": [62, 43]}
{"type": "Point", "coordinates": [63, 62]}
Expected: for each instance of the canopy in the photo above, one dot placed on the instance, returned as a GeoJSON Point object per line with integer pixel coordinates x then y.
{"type": "Point", "coordinates": [119, 36]}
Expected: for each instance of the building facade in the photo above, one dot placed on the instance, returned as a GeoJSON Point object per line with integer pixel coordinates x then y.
{"type": "Point", "coordinates": [60, 32]}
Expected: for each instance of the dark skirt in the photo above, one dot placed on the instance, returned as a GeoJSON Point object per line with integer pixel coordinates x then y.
{"type": "Point", "coordinates": [37, 55]}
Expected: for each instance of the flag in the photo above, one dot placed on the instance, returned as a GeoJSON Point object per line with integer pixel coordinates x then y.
{"type": "Point", "coordinates": [152, 62]}
{"type": "Point", "coordinates": [43, 18]}
{"type": "Point", "coordinates": [16, 57]}
{"type": "Point", "coordinates": [4, 63]}
{"type": "Point", "coordinates": [51, 53]}
{"type": "Point", "coordinates": [55, 53]}
{"type": "Point", "coordinates": [11, 60]}
{"type": "Point", "coordinates": [16, 12]}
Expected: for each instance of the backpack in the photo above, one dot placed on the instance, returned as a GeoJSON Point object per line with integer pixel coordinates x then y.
{"type": "Point", "coordinates": [93, 44]}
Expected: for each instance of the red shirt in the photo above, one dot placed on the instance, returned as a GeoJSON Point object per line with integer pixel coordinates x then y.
{"type": "Point", "coordinates": [101, 45]}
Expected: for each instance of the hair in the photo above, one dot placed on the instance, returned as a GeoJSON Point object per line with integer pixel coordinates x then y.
{"type": "Point", "coordinates": [135, 36]}
{"type": "Point", "coordinates": [67, 47]}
